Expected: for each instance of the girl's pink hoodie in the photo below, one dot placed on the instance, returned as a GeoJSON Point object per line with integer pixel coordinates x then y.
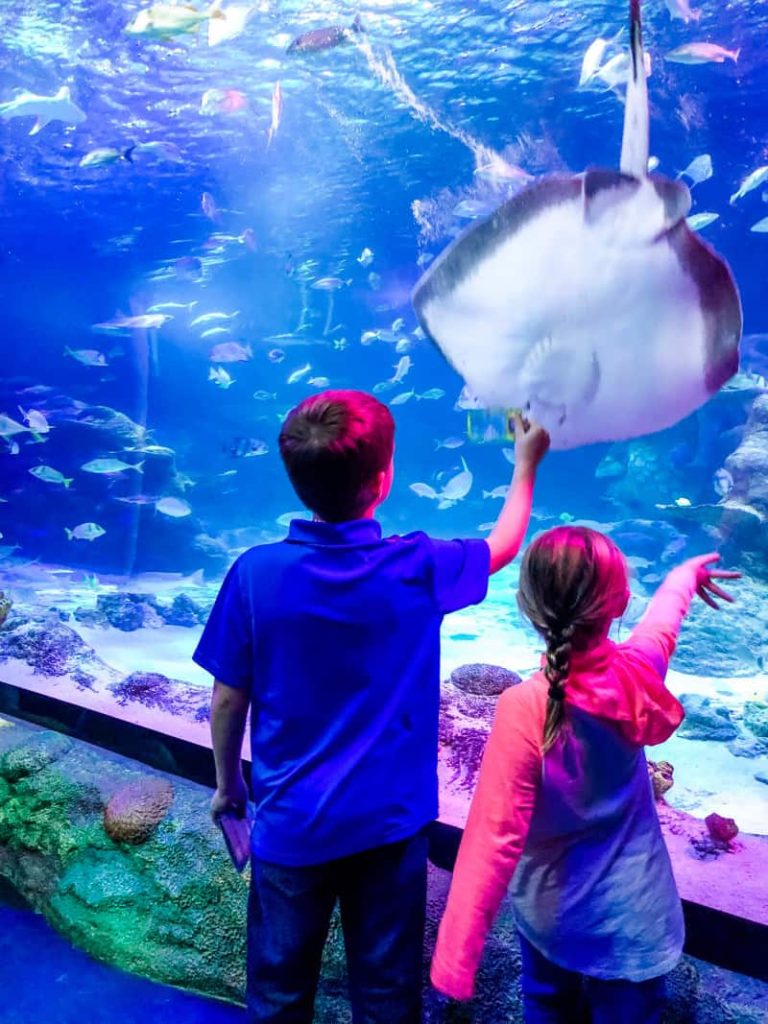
{"type": "Point", "coordinates": [619, 689]}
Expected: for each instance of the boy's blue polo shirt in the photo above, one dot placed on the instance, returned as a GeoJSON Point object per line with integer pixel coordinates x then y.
{"type": "Point", "coordinates": [335, 631]}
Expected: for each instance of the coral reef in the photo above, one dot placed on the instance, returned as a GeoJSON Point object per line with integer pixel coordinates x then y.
{"type": "Point", "coordinates": [126, 611]}
{"type": "Point", "coordinates": [53, 649]}
{"type": "Point", "coordinates": [756, 717]}
{"type": "Point", "coordinates": [154, 690]}
{"type": "Point", "coordinates": [484, 680]}
{"type": "Point", "coordinates": [705, 720]}
{"type": "Point", "coordinates": [661, 774]}
{"type": "Point", "coordinates": [5, 606]}
{"type": "Point", "coordinates": [136, 809]}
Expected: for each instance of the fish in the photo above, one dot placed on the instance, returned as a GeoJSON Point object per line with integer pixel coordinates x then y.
{"type": "Point", "coordinates": [751, 182]}
{"type": "Point", "coordinates": [382, 386]}
{"type": "Point", "coordinates": [104, 156]}
{"type": "Point", "coordinates": [265, 396]}
{"type": "Point", "coordinates": [44, 109]}
{"type": "Point", "coordinates": [592, 60]}
{"type": "Point", "coordinates": [161, 148]}
{"type": "Point", "coordinates": [158, 307]}
{"type": "Point", "coordinates": [403, 397]}
{"type": "Point", "coordinates": [276, 355]}
{"type": "Point", "coordinates": [51, 476]}
{"type": "Point", "coordinates": [401, 370]}
{"type": "Point", "coordinates": [558, 284]}
{"type": "Point", "coordinates": [87, 356]}
{"type": "Point", "coordinates": [220, 377]}
{"type": "Point", "coordinates": [277, 112]}
{"type": "Point", "coordinates": [296, 376]}
{"type": "Point", "coordinates": [163, 21]}
{"type": "Point", "coordinates": [209, 318]}
{"type": "Point", "coordinates": [498, 492]}
{"type": "Point", "coordinates": [471, 208]}
{"type": "Point", "coordinates": [209, 207]}
{"type": "Point", "coordinates": [365, 259]}
{"type": "Point", "coordinates": [230, 352]}
{"type": "Point", "coordinates": [9, 427]}
{"type": "Point", "coordinates": [329, 284]}
{"type": "Point", "coordinates": [699, 221]}
{"type": "Point", "coordinates": [222, 101]}
{"type": "Point", "coordinates": [110, 467]}
{"type": "Point", "coordinates": [319, 382]}
{"type": "Point", "coordinates": [761, 227]}
{"type": "Point", "coordinates": [702, 53]}
{"type": "Point", "coordinates": [143, 322]}
{"type": "Point", "coordinates": [231, 25]}
{"type": "Point", "coordinates": [215, 332]}
{"type": "Point", "coordinates": [424, 491]}
{"type": "Point", "coordinates": [318, 39]}
{"type": "Point", "coordinates": [247, 447]}
{"type": "Point", "coordinates": [174, 508]}
{"type": "Point", "coordinates": [459, 486]}
{"type": "Point", "coordinates": [432, 394]}
{"type": "Point", "coordinates": [698, 170]}
{"type": "Point", "coordinates": [682, 9]}
{"type": "Point", "coordinates": [449, 443]}
{"type": "Point", "coordinates": [36, 421]}
{"type": "Point", "coordinates": [217, 242]}
{"type": "Point", "coordinates": [85, 531]}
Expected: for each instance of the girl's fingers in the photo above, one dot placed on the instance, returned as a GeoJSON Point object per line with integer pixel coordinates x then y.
{"type": "Point", "coordinates": [722, 574]}
{"type": "Point", "coordinates": [706, 598]}
{"type": "Point", "coordinates": [714, 589]}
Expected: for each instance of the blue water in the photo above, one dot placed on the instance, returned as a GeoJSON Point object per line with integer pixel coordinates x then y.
{"type": "Point", "coordinates": [356, 163]}
{"type": "Point", "coordinates": [52, 981]}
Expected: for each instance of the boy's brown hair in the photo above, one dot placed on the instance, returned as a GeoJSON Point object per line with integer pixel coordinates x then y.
{"type": "Point", "coordinates": [334, 445]}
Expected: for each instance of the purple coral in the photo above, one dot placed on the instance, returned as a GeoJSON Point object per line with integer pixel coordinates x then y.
{"type": "Point", "coordinates": [484, 680]}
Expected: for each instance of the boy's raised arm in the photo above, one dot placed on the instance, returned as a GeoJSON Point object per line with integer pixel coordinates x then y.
{"type": "Point", "coordinates": [506, 538]}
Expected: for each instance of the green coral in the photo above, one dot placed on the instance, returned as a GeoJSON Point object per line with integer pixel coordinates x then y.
{"type": "Point", "coordinates": [5, 607]}
{"type": "Point", "coordinates": [756, 717]}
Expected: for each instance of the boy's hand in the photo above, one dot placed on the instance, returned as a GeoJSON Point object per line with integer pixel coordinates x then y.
{"type": "Point", "coordinates": [531, 442]}
{"type": "Point", "coordinates": [704, 576]}
{"type": "Point", "coordinates": [233, 800]}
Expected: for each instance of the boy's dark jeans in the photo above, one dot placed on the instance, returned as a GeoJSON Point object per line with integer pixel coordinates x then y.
{"type": "Point", "coordinates": [382, 899]}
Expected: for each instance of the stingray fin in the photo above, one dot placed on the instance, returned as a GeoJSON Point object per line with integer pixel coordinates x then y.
{"type": "Point", "coordinates": [38, 126]}
{"type": "Point", "coordinates": [603, 190]}
{"type": "Point", "coordinates": [635, 145]}
{"type": "Point", "coordinates": [676, 197]}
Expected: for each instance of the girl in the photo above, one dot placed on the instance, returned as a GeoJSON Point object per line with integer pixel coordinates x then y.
{"type": "Point", "coordinates": [563, 815]}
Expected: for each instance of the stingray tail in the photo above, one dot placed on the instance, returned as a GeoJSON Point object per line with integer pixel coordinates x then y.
{"type": "Point", "coordinates": [635, 143]}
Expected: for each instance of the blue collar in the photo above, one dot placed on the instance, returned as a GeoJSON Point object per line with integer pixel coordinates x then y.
{"type": "Point", "coordinates": [352, 533]}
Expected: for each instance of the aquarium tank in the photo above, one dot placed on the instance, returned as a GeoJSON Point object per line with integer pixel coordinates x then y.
{"type": "Point", "coordinates": [210, 213]}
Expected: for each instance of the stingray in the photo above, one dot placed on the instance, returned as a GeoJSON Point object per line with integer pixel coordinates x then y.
{"type": "Point", "coordinates": [586, 300]}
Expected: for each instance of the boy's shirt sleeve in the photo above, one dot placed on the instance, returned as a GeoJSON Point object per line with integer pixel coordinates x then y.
{"type": "Point", "coordinates": [460, 572]}
{"type": "Point", "coordinates": [226, 646]}
{"type": "Point", "coordinates": [494, 838]}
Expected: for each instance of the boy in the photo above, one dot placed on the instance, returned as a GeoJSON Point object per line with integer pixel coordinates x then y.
{"type": "Point", "coordinates": [333, 637]}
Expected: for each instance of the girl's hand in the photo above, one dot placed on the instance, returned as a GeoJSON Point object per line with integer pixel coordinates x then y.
{"type": "Point", "coordinates": [705, 577]}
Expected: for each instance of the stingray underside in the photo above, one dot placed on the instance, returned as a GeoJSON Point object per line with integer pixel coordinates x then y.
{"type": "Point", "coordinates": [587, 301]}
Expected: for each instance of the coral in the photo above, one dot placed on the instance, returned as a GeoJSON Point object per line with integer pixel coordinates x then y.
{"type": "Point", "coordinates": [484, 680]}
{"type": "Point", "coordinates": [661, 774]}
{"type": "Point", "coordinates": [5, 606]}
{"type": "Point", "coordinates": [756, 717]}
{"type": "Point", "coordinates": [127, 612]}
{"type": "Point", "coordinates": [184, 612]}
{"type": "Point", "coordinates": [151, 689]}
{"type": "Point", "coordinates": [704, 720]}
{"type": "Point", "coordinates": [136, 809]}
{"type": "Point", "coordinates": [722, 830]}
{"type": "Point", "coordinates": [51, 649]}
